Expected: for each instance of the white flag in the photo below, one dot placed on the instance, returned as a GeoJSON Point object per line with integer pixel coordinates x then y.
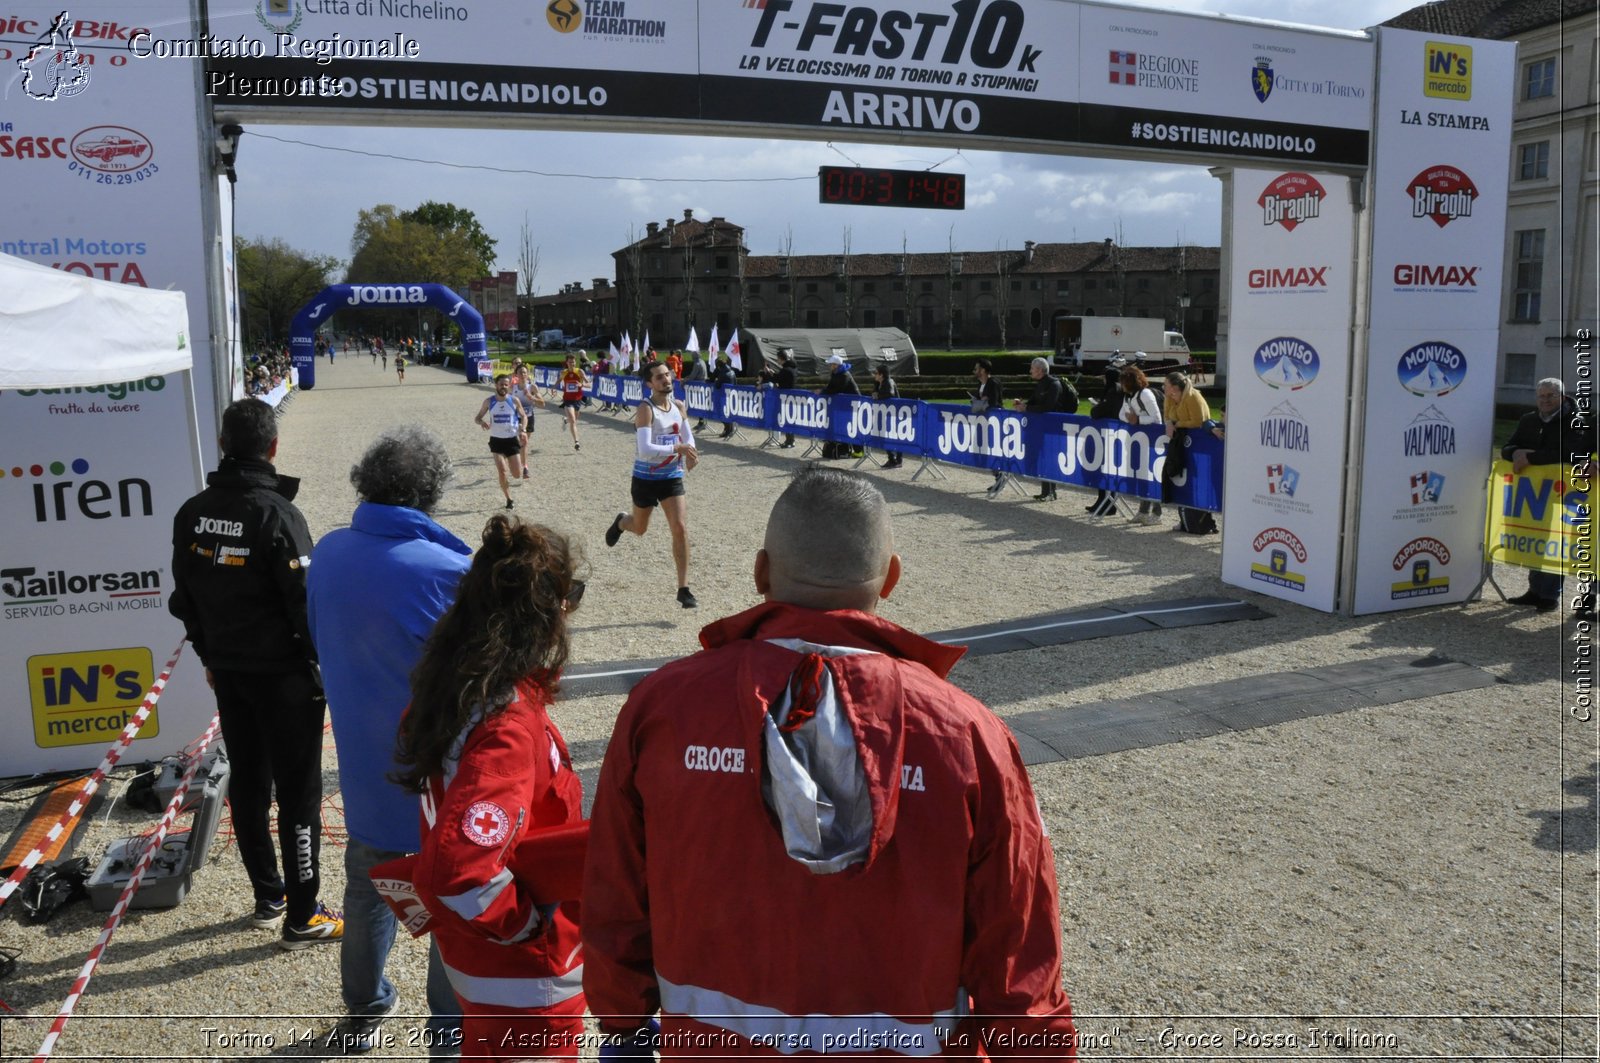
{"type": "Point", "coordinates": [645, 346]}
{"type": "Point", "coordinates": [614, 356]}
{"type": "Point", "coordinates": [733, 351]}
{"type": "Point", "coordinates": [693, 343]}
{"type": "Point", "coordinates": [711, 347]}
{"type": "Point", "coordinates": [627, 352]}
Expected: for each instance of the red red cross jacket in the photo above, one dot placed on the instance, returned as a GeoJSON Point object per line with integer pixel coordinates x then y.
{"type": "Point", "coordinates": [510, 774]}
{"type": "Point", "coordinates": [805, 838]}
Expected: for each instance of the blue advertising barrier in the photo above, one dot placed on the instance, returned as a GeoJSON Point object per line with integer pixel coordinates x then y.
{"type": "Point", "coordinates": [889, 424]}
{"type": "Point", "coordinates": [606, 388]}
{"type": "Point", "coordinates": [1059, 447]}
{"type": "Point", "coordinates": [336, 297]}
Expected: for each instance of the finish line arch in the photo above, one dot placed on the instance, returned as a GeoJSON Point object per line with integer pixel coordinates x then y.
{"type": "Point", "coordinates": [337, 297]}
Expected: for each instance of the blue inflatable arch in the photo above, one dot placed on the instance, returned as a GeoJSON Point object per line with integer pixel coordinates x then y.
{"type": "Point", "coordinates": [336, 297]}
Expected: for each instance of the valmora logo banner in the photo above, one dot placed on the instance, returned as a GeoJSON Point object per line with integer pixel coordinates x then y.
{"type": "Point", "coordinates": [1541, 520]}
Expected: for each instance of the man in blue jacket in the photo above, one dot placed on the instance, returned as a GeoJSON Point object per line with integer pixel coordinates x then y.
{"type": "Point", "coordinates": [382, 584]}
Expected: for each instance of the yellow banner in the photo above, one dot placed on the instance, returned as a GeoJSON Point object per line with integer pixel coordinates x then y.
{"type": "Point", "coordinates": [1542, 518]}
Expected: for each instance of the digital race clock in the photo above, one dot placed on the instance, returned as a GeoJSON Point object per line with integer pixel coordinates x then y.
{"type": "Point", "coordinates": [891, 188]}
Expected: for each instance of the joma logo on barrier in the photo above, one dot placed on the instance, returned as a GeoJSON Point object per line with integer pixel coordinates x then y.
{"type": "Point", "coordinates": [741, 404]}
{"type": "Point", "coordinates": [898, 423]}
{"type": "Point", "coordinates": [980, 434]}
{"type": "Point", "coordinates": [803, 411]}
{"type": "Point", "coordinates": [386, 294]}
{"type": "Point", "coordinates": [1113, 451]}
{"type": "Point", "coordinates": [697, 396]}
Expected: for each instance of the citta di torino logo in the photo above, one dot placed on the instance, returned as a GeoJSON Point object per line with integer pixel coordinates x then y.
{"type": "Point", "coordinates": [1290, 199]}
{"type": "Point", "coordinates": [1442, 193]}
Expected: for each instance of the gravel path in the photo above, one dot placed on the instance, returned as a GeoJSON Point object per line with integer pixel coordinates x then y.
{"type": "Point", "coordinates": [1384, 882]}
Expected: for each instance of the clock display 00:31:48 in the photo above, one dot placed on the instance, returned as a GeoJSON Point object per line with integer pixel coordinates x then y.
{"type": "Point", "coordinates": [859, 187]}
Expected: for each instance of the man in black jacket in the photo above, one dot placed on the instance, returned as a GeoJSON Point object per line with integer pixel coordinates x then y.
{"type": "Point", "coordinates": [239, 555]}
{"type": "Point", "coordinates": [722, 375]}
{"type": "Point", "coordinates": [840, 382]}
{"type": "Point", "coordinates": [1045, 398]}
{"type": "Point", "coordinates": [784, 379]}
{"type": "Point", "coordinates": [1554, 433]}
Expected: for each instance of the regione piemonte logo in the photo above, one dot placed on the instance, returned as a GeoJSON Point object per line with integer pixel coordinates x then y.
{"type": "Point", "coordinates": [1287, 363]}
{"type": "Point", "coordinates": [1432, 368]}
{"type": "Point", "coordinates": [1443, 193]}
{"type": "Point", "coordinates": [1290, 199]}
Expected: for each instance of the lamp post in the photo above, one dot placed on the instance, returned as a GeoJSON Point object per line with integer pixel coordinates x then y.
{"type": "Point", "coordinates": [1183, 313]}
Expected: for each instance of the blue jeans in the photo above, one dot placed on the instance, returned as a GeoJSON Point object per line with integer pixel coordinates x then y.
{"type": "Point", "coordinates": [369, 927]}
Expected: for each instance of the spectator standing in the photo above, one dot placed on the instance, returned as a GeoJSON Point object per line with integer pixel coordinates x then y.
{"type": "Point", "coordinates": [784, 378]}
{"type": "Point", "coordinates": [840, 382]}
{"type": "Point", "coordinates": [1183, 409]}
{"type": "Point", "coordinates": [1108, 407]}
{"type": "Point", "coordinates": [675, 363]}
{"type": "Point", "coordinates": [989, 396]}
{"type": "Point", "coordinates": [722, 375]}
{"type": "Point", "coordinates": [1139, 406]}
{"type": "Point", "coordinates": [805, 829]}
{"type": "Point", "coordinates": [1045, 398]}
{"type": "Point", "coordinates": [480, 747]}
{"type": "Point", "coordinates": [884, 387]}
{"type": "Point", "coordinates": [374, 594]}
{"type": "Point", "coordinates": [1553, 433]}
{"type": "Point", "coordinates": [239, 554]}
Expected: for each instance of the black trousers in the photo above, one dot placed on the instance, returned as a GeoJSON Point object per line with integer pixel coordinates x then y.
{"type": "Point", "coordinates": [272, 722]}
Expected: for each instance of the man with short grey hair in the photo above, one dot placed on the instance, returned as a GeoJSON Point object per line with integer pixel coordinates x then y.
{"type": "Point", "coordinates": [1550, 434]}
{"type": "Point", "coordinates": [1045, 398]}
{"type": "Point", "coordinates": [791, 820]}
{"type": "Point", "coordinates": [374, 594]}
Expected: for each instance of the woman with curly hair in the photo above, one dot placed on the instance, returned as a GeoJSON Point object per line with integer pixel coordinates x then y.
{"type": "Point", "coordinates": [478, 744]}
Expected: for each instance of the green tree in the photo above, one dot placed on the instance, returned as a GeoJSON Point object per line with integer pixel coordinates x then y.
{"type": "Point", "coordinates": [449, 218]}
{"type": "Point", "coordinates": [275, 281]}
{"type": "Point", "coordinates": [387, 247]}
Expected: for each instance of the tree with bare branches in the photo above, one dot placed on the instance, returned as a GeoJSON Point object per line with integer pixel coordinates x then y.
{"type": "Point", "coordinates": [1002, 294]}
{"type": "Point", "coordinates": [528, 270]}
{"type": "Point", "coordinates": [844, 277]}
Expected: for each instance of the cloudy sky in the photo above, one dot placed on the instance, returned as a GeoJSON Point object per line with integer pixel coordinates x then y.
{"type": "Point", "coordinates": [309, 196]}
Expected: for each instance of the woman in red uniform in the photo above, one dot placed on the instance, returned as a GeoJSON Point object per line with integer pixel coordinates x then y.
{"type": "Point", "coordinates": [479, 745]}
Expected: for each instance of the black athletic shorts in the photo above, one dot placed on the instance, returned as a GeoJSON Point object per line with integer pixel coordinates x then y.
{"type": "Point", "coordinates": [647, 494]}
{"type": "Point", "coordinates": [571, 404]}
{"type": "Point", "coordinates": [506, 446]}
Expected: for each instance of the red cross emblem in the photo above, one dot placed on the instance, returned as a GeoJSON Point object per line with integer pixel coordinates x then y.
{"type": "Point", "coordinates": [486, 824]}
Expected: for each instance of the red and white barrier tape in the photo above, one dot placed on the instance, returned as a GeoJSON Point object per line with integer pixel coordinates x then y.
{"type": "Point", "coordinates": [81, 983]}
{"type": "Point", "coordinates": [92, 784]}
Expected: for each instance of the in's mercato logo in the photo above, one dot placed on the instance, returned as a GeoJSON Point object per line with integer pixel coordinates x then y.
{"type": "Point", "coordinates": [58, 497]}
{"type": "Point", "coordinates": [1443, 193]}
{"type": "Point", "coordinates": [1420, 554]}
{"type": "Point", "coordinates": [1430, 434]}
{"type": "Point", "coordinates": [1285, 428]}
{"type": "Point", "coordinates": [1290, 199]}
{"type": "Point", "coordinates": [88, 697]}
{"type": "Point", "coordinates": [1448, 71]}
{"type": "Point", "coordinates": [1287, 363]}
{"type": "Point", "coordinates": [1276, 571]}
{"type": "Point", "coordinates": [1432, 369]}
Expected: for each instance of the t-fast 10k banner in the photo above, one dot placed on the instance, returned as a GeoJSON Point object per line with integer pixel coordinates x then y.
{"type": "Point", "coordinates": [1292, 281]}
{"type": "Point", "coordinates": [1437, 192]}
{"type": "Point", "coordinates": [1052, 72]}
{"type": "Point", "coordinates": [101, 164]}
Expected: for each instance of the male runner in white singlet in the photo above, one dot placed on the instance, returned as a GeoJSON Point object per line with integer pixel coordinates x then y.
{"type": "Point", "coordinates": [665, 452]}
{"type": "Point", "coordinates": [504, 425]}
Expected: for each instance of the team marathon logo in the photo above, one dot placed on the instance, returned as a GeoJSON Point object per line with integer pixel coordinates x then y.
{"type": "Point", "coordinates": [1283, 545]}
{"type": "Point", "coordinates": [1420, 554]}
{"type": "Point", "coordinates": [1425, 277]}
{"type": "Point", "coordinates": [1285, 428]}
{"type": "Point", "coordinates": [607, 19]}
{"type": "Point", "coordinates": [1429, 434]}
{"type": "Point", "coordinates": [1442, 193]}
{"type": "Point", "coordinates": [1432, 369]}
{"type": "Point", "coordinates": [54, 69]}
{"type": "Point", "coordinates": [1290, 199]}
{"type": "Point", "coordinates": [1287, 363]}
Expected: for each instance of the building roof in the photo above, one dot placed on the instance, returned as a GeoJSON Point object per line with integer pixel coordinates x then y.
{"type": "Point", "coordinates": [1490, 19]}
{"type": "Point", "coordinates": [1091, 257]}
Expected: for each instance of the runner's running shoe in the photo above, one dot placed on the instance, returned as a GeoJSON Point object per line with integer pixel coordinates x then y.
{"type": "Point", "coordinates": [687, 599]}
{"type": "Point", "coordinates": [323, 926]}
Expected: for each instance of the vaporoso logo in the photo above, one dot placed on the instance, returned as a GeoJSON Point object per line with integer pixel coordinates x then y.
{"type": "Point", "coordinates": [1261, 78]}
{"type": "Point", "coordinates": [1430, 433]}
{"type": "Point", "coordinates": [1442, 193]}
{"type": "Point", "coordinates": [54, 69]}
{"type": "Point", "coordinates": [1290, 199]}
{"type": "Point", "coordinates": [112, 148]}
{"type": "Point", "coordinates": [1420, 554]}
{"type": "Point", "coordinates": [1283, 544]}
{"type": "Point", "coordinates": [564, 16]}
{"type": "Point", "coordinates": [1432, 369]}
{"type": "Point", "coordinates": [1285, 428]}
{"type": "Point", "coordinates": [1287, 363]}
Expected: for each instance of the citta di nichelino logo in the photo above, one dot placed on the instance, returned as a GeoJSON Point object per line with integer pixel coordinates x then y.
{"type": "Point", "coordinates": [53, 69]}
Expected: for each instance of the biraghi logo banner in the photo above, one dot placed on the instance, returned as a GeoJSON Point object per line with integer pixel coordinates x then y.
{"type": "Point", "coordinates": [1290, 199]}
{"type": "Point", "coordinates": [1442, 193]}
